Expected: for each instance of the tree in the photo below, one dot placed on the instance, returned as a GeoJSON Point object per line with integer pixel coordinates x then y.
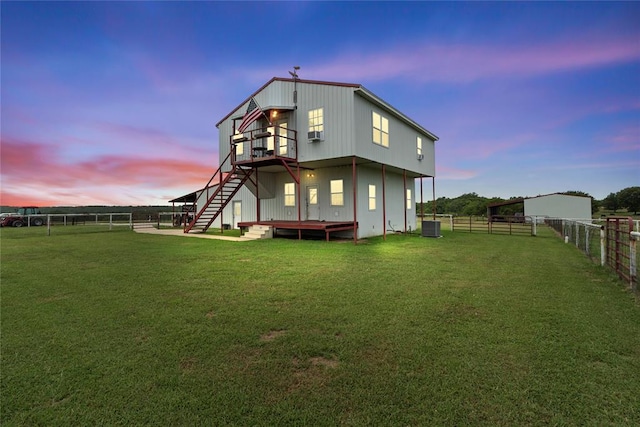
{"type": "Point", "coordinates": [630, 198]}
{"type": "Point", "coordinates": [611, 202]}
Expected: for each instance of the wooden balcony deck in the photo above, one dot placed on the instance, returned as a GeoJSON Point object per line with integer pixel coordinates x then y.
{"type": "Point", "coordinates": [327, 227]}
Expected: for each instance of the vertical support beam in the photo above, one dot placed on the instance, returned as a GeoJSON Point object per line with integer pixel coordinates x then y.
{"type": "Point", "coordinates": [384, 205]}
{"type": "Point", "coordinates": [421, 201]}
{"type": "Point", "coordinates": [299, 198]}
{"type": "Point", "coordinates": [433, 190]}
{"type": "Point", "coordinates": [257, 197]}
{"type": "Point", "coordinates": [404, 184]}
{"type": "Point", "coordinates": [354, 178]}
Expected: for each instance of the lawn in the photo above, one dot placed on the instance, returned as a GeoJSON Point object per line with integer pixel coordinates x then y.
{"type": "Point", "coordinates": [471, 329]}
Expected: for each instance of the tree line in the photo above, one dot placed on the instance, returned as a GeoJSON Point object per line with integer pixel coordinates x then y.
{"type": "Point", "coordinates": [471, 204]}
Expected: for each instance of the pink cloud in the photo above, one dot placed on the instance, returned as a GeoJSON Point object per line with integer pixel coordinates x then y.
{"type": "Point", "coordinates": [33, 171]}
{"type": "Point", "coordinates": [626, 139]}
{"type": "Point", "coordinates": [450, 173]}
{"type": "Point", "coordinates": [458, 63]}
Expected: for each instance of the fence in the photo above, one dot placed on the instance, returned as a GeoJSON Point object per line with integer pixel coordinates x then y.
{"type": "Point", "coordinates": [512, 225]}
{"type": "Point", "coordinates": [612, 242]}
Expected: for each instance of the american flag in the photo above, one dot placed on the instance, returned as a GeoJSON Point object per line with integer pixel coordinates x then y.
{"type": "Point", "coordinates": [253, 112]}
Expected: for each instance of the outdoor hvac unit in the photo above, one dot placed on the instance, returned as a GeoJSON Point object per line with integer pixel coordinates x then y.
{"type": "Point", "coordinates": [430, 228]}
{"type": "Point", "coordinates": [314, 136]}
{"type": "Point", "coordinates": [420, 156]}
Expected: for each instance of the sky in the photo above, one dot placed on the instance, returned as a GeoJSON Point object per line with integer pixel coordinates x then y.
{"type": "Point", "coordinates": [115, 103]}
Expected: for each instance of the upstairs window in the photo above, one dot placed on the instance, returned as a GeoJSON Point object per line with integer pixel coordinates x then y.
{"type": "Point", "coordinates": [289, 194]}
{"type": "Point", "coordinates": [316, 120]}
{"type": "Point", "coordinates": [409, 199]}
{"type": "Point", "coordinates": [419, 147]}
{"type": "Point", "coordinates": [337, 193]}
{"type": "Point", "coordinates": [380, 129]}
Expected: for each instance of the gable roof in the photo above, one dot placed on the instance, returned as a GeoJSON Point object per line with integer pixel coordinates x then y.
{"type": "Point", "coordinates": [359, 89]}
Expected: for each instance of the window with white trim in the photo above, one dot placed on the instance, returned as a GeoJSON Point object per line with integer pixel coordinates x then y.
{"type": "Point", "coordinates": [337, 193]}
{"type": "Point", "coordinates": [239, 148]}
{"type": "Point", "coordinates": [372, 197]}
{"type": "Point", "coordinates": [289, 194]}
{"type": "Point", "coordinates": [380, 129]}
{"type": "Point", "coordinates": [316, 120]}
{"type": "Point", "coordinates": [419, 146]}
{"type": "Point", "coordinates": [409, 199]}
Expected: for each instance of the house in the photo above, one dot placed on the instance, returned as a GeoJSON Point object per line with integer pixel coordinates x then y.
{"type": "Point", "coordinates": [301, 155]}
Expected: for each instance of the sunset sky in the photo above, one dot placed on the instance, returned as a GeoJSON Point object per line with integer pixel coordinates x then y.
{"type": "Point", "coordinates": [115, 103]}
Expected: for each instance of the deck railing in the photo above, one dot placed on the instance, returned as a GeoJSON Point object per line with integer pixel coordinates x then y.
{"type": "Point", "coordinates": [273, 142]}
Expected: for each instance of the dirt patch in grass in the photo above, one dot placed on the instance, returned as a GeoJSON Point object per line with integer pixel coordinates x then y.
{"type": "Point", "coordinates": [210, 315]}
{"type": "Point", "coordinates": [188, 364]}
{"type": "Point", "coordinates": [322, 361]}
{"type": "Point", "coordinates": [272, 335]}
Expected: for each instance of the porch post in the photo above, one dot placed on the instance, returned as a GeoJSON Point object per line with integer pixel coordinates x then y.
{"type": "Point", "coordinates": [384, 205]}
{"type": "Point", "coordinates": [354, 177]}
{"type": "Point", "coordinates": [257, 197]}
{"type": "Point", "coordinates": [299, 190]}
{"type": "Point", "coordinates": [421, 201]}
{"type": "Point", "coordinates": [404, 180]}
{"type": "Point", "coordinates": [434, 196]}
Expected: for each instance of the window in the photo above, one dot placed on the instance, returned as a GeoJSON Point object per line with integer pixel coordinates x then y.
{"type": "Point", "coordinates": [372, 197]}
{"type": "Point", "coordinates": [409, 199]}
{"type": "Point", "coordinates": [337, 194]}
{"type": "Point", "coordinates": [289, 194]}
{"type": "Point", "coordinates": [419, 146]}
{"type": "Point", "coordinates": [380, 130]}
{"type": "Point", "coordinates": [239, 148]}
{"type": "Point", "coordinates": [316, 120]}
{"type": "Point", "coordinates": [282, 139]}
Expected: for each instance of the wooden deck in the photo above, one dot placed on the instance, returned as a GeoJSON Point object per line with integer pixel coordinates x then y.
{"type": "Point", "coordinates": [327, 227]}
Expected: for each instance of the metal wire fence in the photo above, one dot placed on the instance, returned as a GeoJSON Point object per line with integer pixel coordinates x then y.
{"type": "Point", "coordinates": [612, 242]}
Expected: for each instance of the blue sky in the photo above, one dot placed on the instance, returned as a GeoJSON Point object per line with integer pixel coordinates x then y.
{"type": "Point", "coordinates": [115, 103]}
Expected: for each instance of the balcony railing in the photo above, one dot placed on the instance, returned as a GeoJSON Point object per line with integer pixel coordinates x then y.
{"type": "Point", "coordinates": [273, 142]}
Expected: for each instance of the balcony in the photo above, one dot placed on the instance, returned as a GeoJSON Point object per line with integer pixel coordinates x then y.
{"type": "Point", "coordinates": [264, 146]}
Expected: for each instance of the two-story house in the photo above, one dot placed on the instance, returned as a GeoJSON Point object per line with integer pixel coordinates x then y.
{"type": "Point", "coordinates": [302, 155]}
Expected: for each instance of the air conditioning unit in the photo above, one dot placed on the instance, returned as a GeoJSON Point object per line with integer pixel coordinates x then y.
{"type": "Point", "coordinates": [314, 135]}
{"type": "Point", "coordinates": [420, 156]}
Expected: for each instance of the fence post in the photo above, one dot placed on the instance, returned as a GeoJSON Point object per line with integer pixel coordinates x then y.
{"type": "Point", "coordinates": [49, 225]}
{"type": "Point", "coordinates": [110, 222]}
{"type": "Point", "coordinates": [451, 222]}
{"type": "Point", "coordinates": [633, 238]}
{"type": "Point", "coordinates": [603, 253]}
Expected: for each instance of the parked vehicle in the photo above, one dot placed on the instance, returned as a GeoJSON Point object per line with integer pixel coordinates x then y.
{"type": "Point", "coordinates": [27, 215]}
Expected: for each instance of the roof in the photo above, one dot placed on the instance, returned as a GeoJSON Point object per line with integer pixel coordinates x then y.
{"type": "Point", "coordinates": [359, 89]}
{"type": "Point", "coordinates": [522, 199]}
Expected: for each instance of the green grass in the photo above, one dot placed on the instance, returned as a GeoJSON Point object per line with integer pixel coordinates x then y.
{"type": "Point", "coordinates": [470, 329]}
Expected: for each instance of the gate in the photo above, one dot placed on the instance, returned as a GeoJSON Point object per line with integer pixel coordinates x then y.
{"type": "Point", "coordinates": [621, 254]}
{"type": "Point", "coordinates": [496, 224]}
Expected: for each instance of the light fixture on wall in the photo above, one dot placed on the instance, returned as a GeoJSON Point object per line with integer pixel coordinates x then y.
{"type": "Point", "coordinates": [310, 175]}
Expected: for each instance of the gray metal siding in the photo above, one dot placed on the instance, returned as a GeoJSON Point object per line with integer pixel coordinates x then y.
{"type": "Point", "coordinates": [337, 105]}
{"type": "Point", "coordinates": [401, 152]}
{"type": "Point", "coordinates": [558, 206]}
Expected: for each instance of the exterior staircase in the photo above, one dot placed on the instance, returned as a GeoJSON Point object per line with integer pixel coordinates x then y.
{"type": "Point", "coordinates": [256, 232]}
{"type": "Point", "coordinates": [226, 185]}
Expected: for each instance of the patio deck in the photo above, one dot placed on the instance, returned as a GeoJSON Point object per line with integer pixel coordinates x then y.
{"type": "Point", "coordinates": [327, 227]}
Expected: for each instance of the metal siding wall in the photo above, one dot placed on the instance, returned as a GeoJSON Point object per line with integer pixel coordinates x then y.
{"type": "Point", "coordinates": [401, 152]}
{"type": "Point", "coordinates": [337, 105]}
{"type": "Point", "coordinates": [558, 206]}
